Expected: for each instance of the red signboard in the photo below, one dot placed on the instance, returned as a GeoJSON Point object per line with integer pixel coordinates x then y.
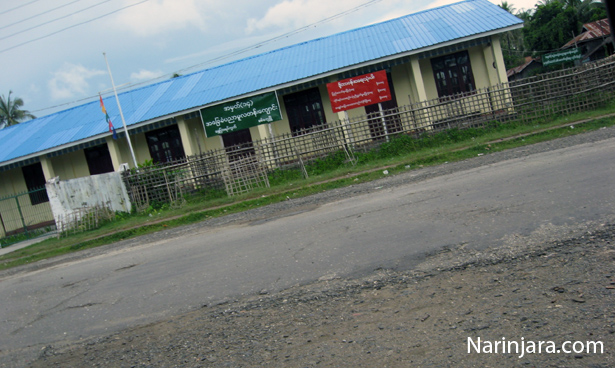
{"type": "Point", "coordinates": [359, 91]}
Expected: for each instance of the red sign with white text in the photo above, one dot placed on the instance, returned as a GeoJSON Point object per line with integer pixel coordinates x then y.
{"type": "Point", "coordinates": [363, 90]}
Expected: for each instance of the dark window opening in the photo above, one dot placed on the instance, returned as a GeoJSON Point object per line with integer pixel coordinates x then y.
{"type": "Point", "coordinates": [380, 127]}
{"type": "Point", "coordinates": [165, 145]}
{"type": "Point", "coordinates": [238, 144]}
{"type": "Point", "coordinates": [98, 159]}
{"type": "Point", "coordinates": [35, 179]}
{"type": "Point", "coordinates": [304, 110]}
{"type": "Point", "coordinates": [453, 74]}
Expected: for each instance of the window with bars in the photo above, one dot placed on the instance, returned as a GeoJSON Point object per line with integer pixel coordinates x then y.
{"type": "Point", "coordinates": [165, 145]}
{"type": "Point", "coordinates": [453, 74]}
{"type": "Point", "coordinates": [304, 110]}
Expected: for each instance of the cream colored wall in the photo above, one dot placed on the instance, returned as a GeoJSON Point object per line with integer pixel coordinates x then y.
{"type": "Point", "coordinates": [196, 132]}
{"type": "Point", "coordinates": [213, 143]}
{"type": "Point", "coordinates": [12, 182]}
{"type": "Point", "coordinates": [479, 66]}
{"type": "Point", "coordinates": [429, 82]}
{"type": "Point", "coordinates": [70, 166]}
{"type": "Point", "coordinates": [121, 151]}
{"type": "Point", "coordinates": [499, 59]}
{"type": "Point", "coordinates": [402, 82]}
{"type": "Point", "coordinates": [282, 126]}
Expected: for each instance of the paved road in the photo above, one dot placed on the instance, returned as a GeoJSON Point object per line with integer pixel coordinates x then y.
{"type": "Point", "coordinates": [391, 227]}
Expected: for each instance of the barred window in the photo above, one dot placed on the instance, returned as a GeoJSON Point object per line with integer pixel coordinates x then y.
{"type": "Point", "coordinates": [304, 110]}
{"type": "Point", "coordinates": [165, 145]}
{"type": "Point", "coordinates": [453, 74]}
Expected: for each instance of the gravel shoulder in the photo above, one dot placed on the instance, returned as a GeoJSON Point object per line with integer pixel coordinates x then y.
{"type": "Point", "coordinates": [558, 284]}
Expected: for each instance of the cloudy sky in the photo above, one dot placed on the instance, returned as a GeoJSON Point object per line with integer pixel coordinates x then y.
{"type": "Point", "coordinates": [51, 51]}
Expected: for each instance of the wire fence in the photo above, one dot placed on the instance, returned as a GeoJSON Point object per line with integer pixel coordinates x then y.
{"type": "Point", "coordinates": [240, 169]}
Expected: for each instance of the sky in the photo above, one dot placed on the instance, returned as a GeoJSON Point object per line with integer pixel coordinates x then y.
{"type": "Point", "coordinates": [51, 51]}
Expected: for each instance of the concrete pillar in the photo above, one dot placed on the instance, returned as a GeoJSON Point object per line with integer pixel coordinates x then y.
{"type": "Point", "coordinates": [348, 136]}
{"type": "Point", "coordinates": [490, 65]}
{"type": "Point", "coordinates": [114, 152]}
{"type": "Point", "coordinates": [263, 131]}
{"type": "Point", "coordinates": [47, 168]}
{"type": "Point", "coordinates": [499, 59]}
{"type": "Point", "coordinates": [418, 79]}
{"type": "Point", "coordinates": [184, 132]}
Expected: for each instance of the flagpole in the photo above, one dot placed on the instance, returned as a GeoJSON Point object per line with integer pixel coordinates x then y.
{"type": "Point", "coordinates": [132, 152]}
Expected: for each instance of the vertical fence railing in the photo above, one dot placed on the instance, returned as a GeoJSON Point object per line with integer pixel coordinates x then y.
{"type": "Point", "coordinates": [239, 169]}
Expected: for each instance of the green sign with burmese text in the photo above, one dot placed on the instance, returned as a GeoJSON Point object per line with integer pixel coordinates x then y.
{"type": "Point", "coordinates": [561, 56]}
{"type": "Point", "coordinates": [241, 114]}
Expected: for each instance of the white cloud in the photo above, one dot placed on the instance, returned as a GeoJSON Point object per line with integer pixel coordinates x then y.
{"type": "Point", "coordinates": [298, 13]}
{"type": "Point", "coordinates": [71, 80]}
{"type": "Point", "coordinates": [145, 75]}
{"type": "Point", "coordinates": [159, 16]}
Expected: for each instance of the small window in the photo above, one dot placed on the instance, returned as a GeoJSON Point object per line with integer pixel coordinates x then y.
{"type": "Point", "coordinates": [304, 110]}
{"type": "Point", "coordinates": [165, 145]}
{"type": "Point", "coordinates": [453, 74]}
{"type": "Point", "coordinates": [35, 180]}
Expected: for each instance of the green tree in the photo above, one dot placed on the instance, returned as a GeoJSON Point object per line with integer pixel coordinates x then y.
{"type": "Point", "coordinates": [550, 26]}
{"type": "Point", "coordinates": [513, 48]}
{"type": "Point", "coordinates": [11, 112]}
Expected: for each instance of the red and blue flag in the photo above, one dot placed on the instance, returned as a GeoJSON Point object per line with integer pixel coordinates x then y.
{"type": "Point", "coordinates": [111, 127]}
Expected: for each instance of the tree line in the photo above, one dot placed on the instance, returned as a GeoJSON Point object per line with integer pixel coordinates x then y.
{"type": "Point", "coordinates": [547, 27]}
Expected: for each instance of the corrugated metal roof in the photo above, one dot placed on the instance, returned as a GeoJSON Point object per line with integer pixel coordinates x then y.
{"type": "Point", "coordinates": [591, 31]}
{"type": "Point", "coordinates": [408, 34]}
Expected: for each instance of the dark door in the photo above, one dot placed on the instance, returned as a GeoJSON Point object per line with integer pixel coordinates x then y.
{"type": "Point", "coordinates": [99, 159]}
{"type": "Point", "coordinates": [238, 144]}
{"type": "Point", "coordinates": [165, 145]}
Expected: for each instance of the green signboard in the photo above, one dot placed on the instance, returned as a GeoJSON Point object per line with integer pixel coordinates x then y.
{"type": "Point", "coordinates": [241, 114]}
{"type": "Point", "coordinates": [561, 56]}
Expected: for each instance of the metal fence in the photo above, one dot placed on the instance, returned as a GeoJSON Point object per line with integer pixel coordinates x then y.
{"type": "Point", "coordinates": [241, 168]}
{"type": "Point", "coordinates": [25, 215]}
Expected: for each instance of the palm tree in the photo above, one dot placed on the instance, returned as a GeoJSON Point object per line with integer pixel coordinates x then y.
{"type": "Point", "coordinates": [11, 112]}
{"type": "Point", "coordinates": [508, 7]}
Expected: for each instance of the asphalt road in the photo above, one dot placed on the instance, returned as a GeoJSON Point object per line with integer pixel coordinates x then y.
{"type": "Point", "coordinates": [388, 227]}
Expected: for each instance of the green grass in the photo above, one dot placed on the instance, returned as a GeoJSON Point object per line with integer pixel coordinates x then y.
{"type": "Point", "coordinates": [324, 174]}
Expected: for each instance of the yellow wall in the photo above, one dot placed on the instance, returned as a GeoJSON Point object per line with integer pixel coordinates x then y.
{"type": "Point", "coordinates": [431, 91]}
{"type": "Point", "coordinates": [282, 126]}
{"type": "Point", "coordinates": [12, 182]}
{"type": "Point", "coordinates": [479, 67]}
{"type": "Point", "coordinates": [70, 166]}
{"type": "Point", "coordinates": [197, 134]}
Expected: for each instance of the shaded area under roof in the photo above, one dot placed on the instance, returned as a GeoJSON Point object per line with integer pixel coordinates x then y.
{"type": "Point", "coordinates": [401, 36]}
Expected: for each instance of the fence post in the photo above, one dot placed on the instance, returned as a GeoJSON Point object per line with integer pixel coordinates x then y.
{"type": "Point", "coordinates": [23, 222]}
{"type": "Point", "coordinates": [3, 227]}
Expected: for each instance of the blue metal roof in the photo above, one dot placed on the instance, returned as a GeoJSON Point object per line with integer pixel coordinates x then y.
{"type": "Point", "coordinates": [408, 34]}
